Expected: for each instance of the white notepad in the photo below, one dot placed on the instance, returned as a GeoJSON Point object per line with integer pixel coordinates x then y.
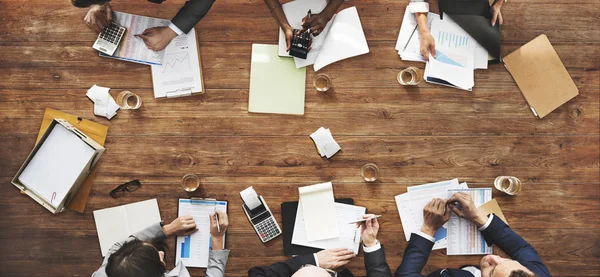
{"type": "Point", "coordinates": [117, 223]}
{"type": "Point", "coordinates": [56, 165]}
{"type": "Point", "coordinates": [276, 85]}
{"type": "Point", "coordinates": [193, 250]}
{"type": "Point", "coordinates": [349, 235]}
{"type": "Point", "coordinates": [318, 208]}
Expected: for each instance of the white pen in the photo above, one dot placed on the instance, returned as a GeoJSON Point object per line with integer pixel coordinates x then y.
{"type": "Point", "coordinates": [365, 219]}
{"type": "Point", "coordinates": [218, 226]}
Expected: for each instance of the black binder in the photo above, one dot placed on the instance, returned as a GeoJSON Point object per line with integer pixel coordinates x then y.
{"type": "Point", "coordinates": [474, 17]}
{"type": "Point", "coordinates": [288, 220]}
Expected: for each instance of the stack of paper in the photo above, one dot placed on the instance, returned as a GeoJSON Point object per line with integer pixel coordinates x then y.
{"type": "Point", "coordinates": [349, 237]}
{"type": "Point", "coordinates": [463, 236]}
{"type": "Point", "coordinates": [409, 39]}
{"type": "Point", "coordinates": [319, 210]}
{"type": "Point", "coordinates": [326, 145]}
{"type": "Point", "coordinates": [104, 104]}
{"type": "Point", "coordinates": [410, 206]}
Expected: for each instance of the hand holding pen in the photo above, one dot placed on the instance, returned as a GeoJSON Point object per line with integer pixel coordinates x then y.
{"type": "Point", "coordinates": [218, 226]}
{"type": "Point", "coordinates": [315, 22]}
{"type": "Point", "coordinates": [370, 228]}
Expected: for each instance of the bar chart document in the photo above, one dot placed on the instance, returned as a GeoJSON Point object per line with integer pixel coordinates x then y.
{"type": "Point", "coordinates": [193, 250]}
{"type": "Point", "coordinates": [180, 73]}
{"type": "Point", "coordinates": [131, 48]}
{"type": "Point", "coordinates": [463, 236]}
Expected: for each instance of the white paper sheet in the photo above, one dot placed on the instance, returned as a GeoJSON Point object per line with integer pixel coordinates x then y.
{"type": "Point", "coordinates": [193, 250]}
{"type": "Point", "coordinates": [326, 145]}
{"type": "Point", "coordinates": [318, 208]}
{"type": "Point", "coordinates": [345, 39]}
{"type": "Point", "coordinates": [179, 74]}
{"type": "Point", "coordinates": [349, 235]}
{"type": "Point", "coordinates": [56, 165]}
{"type": "Point", "coordinates": [463, 236]}
{"type": "Point", "coordinates": [410, 206]}
{"type": "Point", "coordinates": [250, 198]}
{"type": "Point", "coordinates": [117, 223]}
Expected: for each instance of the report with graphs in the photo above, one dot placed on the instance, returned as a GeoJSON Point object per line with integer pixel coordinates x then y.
{"type": "Point", "coordinates": [180, 73]}
{"type": "Point", "coordinates": [193, 250]}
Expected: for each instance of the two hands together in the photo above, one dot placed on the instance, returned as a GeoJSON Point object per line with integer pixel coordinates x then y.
{"type": "Point", "coordinates": [437, 212]}
{"type": "Point", "coordinates": [316, 23]}
{"type": "Point", "coordinates": [156, 38]}
{"type": "Point", "coordinates": [427, 43]}
{"type": "Point", "coordinates": [185, 225]}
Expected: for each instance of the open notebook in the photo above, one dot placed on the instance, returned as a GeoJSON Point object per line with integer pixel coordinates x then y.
{"type": "Point", "coordinates": [343, 38]}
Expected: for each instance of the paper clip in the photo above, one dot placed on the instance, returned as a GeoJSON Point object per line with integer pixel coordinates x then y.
{"type": "Point", "coordinates": [53, 197]}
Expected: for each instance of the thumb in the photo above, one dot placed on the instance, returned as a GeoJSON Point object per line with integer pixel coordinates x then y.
{"type": "Point", "coordinates": [432, 49]}
{"type": "Point", "coordinates": [494, 17]}
{"type": "Point", "coordinates": [447, 214]}
{"type": "Point", "coordinates": [455, 210]}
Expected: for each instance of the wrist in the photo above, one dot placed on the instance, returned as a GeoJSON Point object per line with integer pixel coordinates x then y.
{"type": "Point", "coordinates": [168, 230]}
{"type": "Point", "coordinates": [498, 3]}
{"type": "Point", "coordinates": [480, 220]}
{"type": "Point", "coordinates": [428, 230]}
{"type": "Point", "coordinates": [370, 243]}
{"type": "Point", "coordinates": [217, 242]}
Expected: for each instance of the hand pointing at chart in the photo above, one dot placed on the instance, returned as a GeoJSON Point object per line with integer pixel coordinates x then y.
{"type": "Point", "coordinates": [157, 38]}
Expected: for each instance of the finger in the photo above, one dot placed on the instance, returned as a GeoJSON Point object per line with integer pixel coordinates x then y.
{"type": "Point", "coordinates": [347, 257]}
{"type": "Point", "coordinates": [455, 209]}
{"type": "Point", "coordinates": [432, 49]}
{"type": "Point", "coordinates": [375, 223]}
{"type": "Point", "coordinates": [424, 53]}
{"type": "Point", "coordinates": [337, 250]}
{"type": "Point", "coordinates": [447, 214]}
{"type": "Point", "coordinates": [187, 217]}
{"type": "Point", "coordinates": [438, 204]}
{"type": "Point", "coordinates": [191, 232]}
{"type": "Point", "coordinates": [494, 17]}
{"type": "Point", "coordinates": [289, 44]}
{"type": "Point", "coordinates": [109, 15]}
{"type": "Point", "coordinates": [500, 17]}
{"type": "Point", "coordinates": [345, 253]}
{"type": "Point", "coordinates": [213, 222]}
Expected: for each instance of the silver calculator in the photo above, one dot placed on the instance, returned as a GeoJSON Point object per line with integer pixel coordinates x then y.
{"type": "Point", "coordinates": [108, 40]}
{"type": "Point", "coordinates": [263, 221]}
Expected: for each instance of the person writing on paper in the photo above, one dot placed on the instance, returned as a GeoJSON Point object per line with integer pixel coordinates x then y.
{"type": "Point", "coordinates": [321, 264]}
{"type": "Point", "coordinates": [524, 261]}
{"type": "Point", "coordinates": [420, 8]}
{"type": "Point", "coordinates": [316, 23]}
{"type": "Point", "coordinates": [156, 38]}
{"type": "Point", "coordinates": [142, 254]}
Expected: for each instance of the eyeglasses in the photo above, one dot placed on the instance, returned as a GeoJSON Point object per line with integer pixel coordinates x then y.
{"type": "Point", "coordinates": [331, 272]}
{"type": "Point", "coordinates": [129, 186]}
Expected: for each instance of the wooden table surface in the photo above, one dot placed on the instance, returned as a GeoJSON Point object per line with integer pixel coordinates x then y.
{"type": "Point", "coordinates": [415, 135]}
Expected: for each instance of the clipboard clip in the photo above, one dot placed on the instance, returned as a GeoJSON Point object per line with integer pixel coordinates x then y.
{"type": "Point", "coordinates": [202, 199]}
{"type": "Point", "coordinates": [179, 92]}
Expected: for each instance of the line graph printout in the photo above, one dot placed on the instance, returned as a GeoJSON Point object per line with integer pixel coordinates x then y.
{"type": "Point", "coordinates": [179, 74]}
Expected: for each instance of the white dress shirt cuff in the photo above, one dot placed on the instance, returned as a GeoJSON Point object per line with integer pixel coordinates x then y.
{"type": "Point", "coordinates": [418, 7]}
{"type": "Point", "coordinates": [316, 260]}
{"type": "Point", "coordinates": [425, 236]}
{"type": "Point", "coordinates": [487, 224]}
{"type": "Point", "coordinates": [373, 248]}
{"type": "Point", "coordinates": [175, 29]}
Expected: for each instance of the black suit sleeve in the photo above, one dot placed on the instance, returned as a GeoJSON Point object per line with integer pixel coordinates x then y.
{"type": "Point", "coordinates": [376, 264]}
{"type": "Point", "coordinates": [282, 269]}
{"type": "Point", "coordinates": [415, 257]}
{"type": "Point", "coordinates": [515, 246]}
{"type": "Point", "coordinates": [190, 14]}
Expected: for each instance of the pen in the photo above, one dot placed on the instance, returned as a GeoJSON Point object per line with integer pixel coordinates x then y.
{"type": "Point", "coordinates": [217, 219]}
{"type": "Point", "coordinates": [308, 15]}
{"type": "Point", "coordinates": [365, 219]}
{"type": "Point", "coordinates": [409, 38]}
{"type": "Point", "coordinates": [456, 204]}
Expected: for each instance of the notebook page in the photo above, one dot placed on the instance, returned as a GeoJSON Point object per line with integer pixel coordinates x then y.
{"type": "Point", "coordinates": [142, 214]}
{"type": "Point", "coordinates": [111, 226]}
{"type": "Point", "coordinates": [318, 208]}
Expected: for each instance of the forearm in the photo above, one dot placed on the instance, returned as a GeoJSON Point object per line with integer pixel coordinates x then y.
{"type": "Point", "coordinates": [332, 7]}
{"type": "Point", "coordinates": [277, 12]}
{"type": "Point", "coordinates": [422, 23]}
{"type": "Point", "coordinates": [218, 242]}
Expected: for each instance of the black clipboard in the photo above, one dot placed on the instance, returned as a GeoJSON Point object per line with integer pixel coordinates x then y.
{"type": "Point", "coordinates": [474, 17]}
{"type": "Point", "coordinates": [288, 220]}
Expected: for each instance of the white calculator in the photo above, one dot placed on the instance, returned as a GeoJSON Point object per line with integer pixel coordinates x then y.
{"type": "Point", "coordinates": [263, 221]}
{"type": "Point", "coordinates": [110, 37]}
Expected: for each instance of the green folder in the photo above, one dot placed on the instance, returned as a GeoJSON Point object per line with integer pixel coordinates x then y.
{"type": "Point", "coordinates": [276, 85]}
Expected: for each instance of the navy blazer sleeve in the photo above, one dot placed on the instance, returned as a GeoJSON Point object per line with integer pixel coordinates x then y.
{"type": "Point", "coordinates": [282, 269]}
{"type": "Point", "coordinates": [515, 246]}
{"type": "Point", "coordinates": [415, 257]}
{"type": "Point", "coordinates": [376, 264]}
{"type": "Point", "coordinates": [191, 13]}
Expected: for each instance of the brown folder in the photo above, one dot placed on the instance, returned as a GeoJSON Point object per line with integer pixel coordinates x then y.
{"type": "Point", "coordinates": [541, 76]}
{"type": "Point", "coordinates": [492, 207]}
{"type": "Point", "coordinates": [94, 130]}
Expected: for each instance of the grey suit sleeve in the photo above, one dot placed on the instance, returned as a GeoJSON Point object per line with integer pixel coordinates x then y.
{"type": "Point", "coordinates": [152, 232]}
{"type": "Point", "coordinates": [191, 13]}
{"type": "Point", "coordinates": [376, 264]}
{"type": "Point", "coordinates": [217, 260]}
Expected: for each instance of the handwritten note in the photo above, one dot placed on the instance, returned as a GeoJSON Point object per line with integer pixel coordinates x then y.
{"type": "Point", "coordinates": [326, 145]}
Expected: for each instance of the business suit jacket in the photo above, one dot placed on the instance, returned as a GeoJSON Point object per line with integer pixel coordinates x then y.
{"type": "Point", "coordinates": [216, 261]}
{"type": "Point", "coordinates": [191, 13]}
{"type": "Point", "coordinates": [375, 264]}
{"type": "Point", "coordinates": [498, 233]}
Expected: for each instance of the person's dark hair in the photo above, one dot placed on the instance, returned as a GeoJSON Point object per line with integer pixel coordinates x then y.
{"type": "Point", "coordinates": [136, 259]}
{"type": "Point", "coordinates": [521, 273]}
{"type": "Point", "coordinates": [87, 3]}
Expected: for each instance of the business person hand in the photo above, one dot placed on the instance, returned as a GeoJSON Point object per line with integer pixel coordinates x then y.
{"type": "Point", "coordinates": [369, 230]}
{"type": "Point", "coordinates": [218, 237]}
{"type": "Point", "coordinates": [334, 258]}
{"type": "Point", "coordinates": [316, 23]}
{"type": "Point", "coordinates": [157, 38]}
{"type": "Point", "coordinates": [427, 44]}
{"type": "Point", "coordinates": [99, 16]}
{"type": "Point", "coordinates": [181, 226]}
{"type": "Point", "coordinates": [466, 208]}
{"type": "Point", "coordinates": [495, 11]}
{"type": "Point", "coordinates": [289, 33]}
{"type": "Point", "coordinates": [435, 215]}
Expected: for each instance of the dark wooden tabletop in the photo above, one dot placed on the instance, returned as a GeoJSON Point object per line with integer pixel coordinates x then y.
{"type": "Point", "coordinates": [415, 135]}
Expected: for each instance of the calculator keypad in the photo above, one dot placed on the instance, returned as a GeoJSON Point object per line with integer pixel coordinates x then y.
{"type": "Point", "coordinates": [267, 229]}
{"type": "Point", "coordinates": [112, 33]}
